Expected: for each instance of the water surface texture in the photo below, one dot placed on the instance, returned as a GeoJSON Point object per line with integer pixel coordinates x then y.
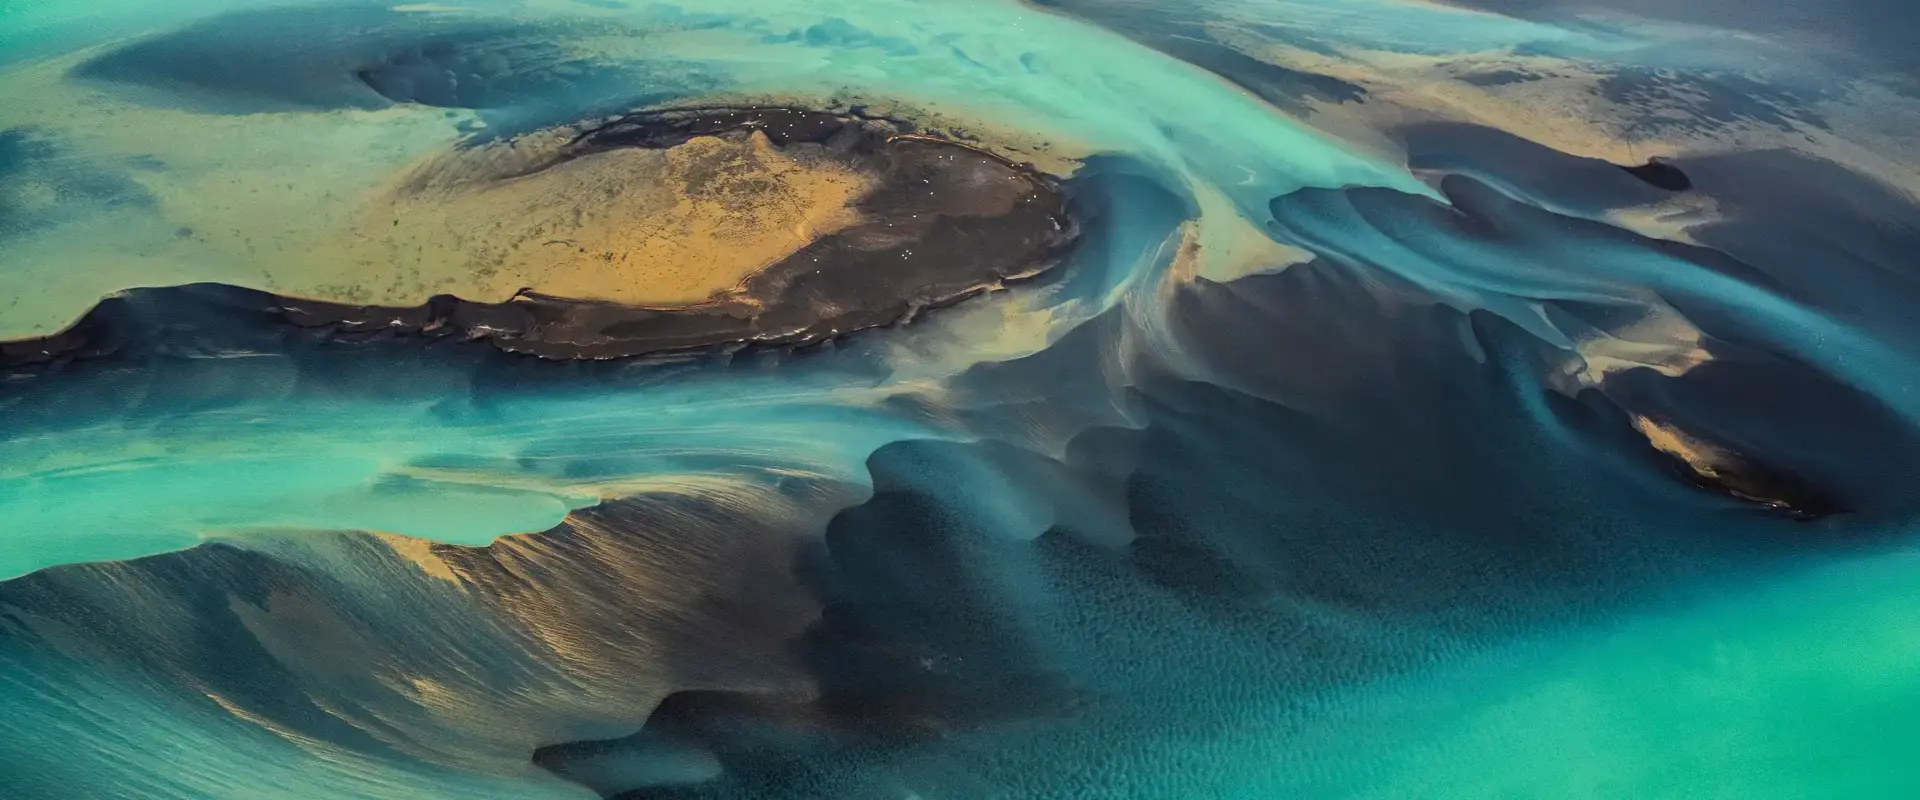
{"type": "Point", "coordinates": [959, 399]}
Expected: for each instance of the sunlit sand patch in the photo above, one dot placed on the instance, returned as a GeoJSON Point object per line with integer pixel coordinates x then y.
{"type": "Point", "coordinates": [1660, 340]}
{"type": "Point", "coordinates": [1673, 219]}
{"type": "Point", "coordinates": [1727, 471]}
{"type": "Point", "coordinates": [1667, 438]}
{"type": "Point", "coordinates": [1230, 246]}
{"type": "Point", "coordinates": [544, 595]}
{"type": "Point", "coordinates": [1559, 102]}
{"type": "Point", "coordinates": [634, 226]}
{"type": "Point", "coordinates": [243, 200]}
{"type": "Point", "coordinates": [232, 195]}
{"type": "Point", "coordinates": [420, 553]}
{"type": "Point", "coordinates": [307, 743]}
{"type": "Point", "coordinates": [1559, 106]}
{"type": "Point", "coordinates": [455, 722]}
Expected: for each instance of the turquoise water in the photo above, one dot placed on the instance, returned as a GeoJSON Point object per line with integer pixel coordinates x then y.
{"type": "Point", "coordinates": [1328, 465]}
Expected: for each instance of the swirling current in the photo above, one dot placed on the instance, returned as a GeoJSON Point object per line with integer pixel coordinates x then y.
{"type": "Point", "coordinates": [956, 399]}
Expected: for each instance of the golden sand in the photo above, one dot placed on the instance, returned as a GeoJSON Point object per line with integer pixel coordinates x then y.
{"type": "Point", "coordinates": [1701, 457]}
{"type": "Point", "coordinates": [377, 207]}
{"type": "Point", "coordinates": [643, 227]}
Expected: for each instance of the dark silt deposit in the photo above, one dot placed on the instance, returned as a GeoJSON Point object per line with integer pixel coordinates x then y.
{"type": "Point", "coordinates": [558, 401]}
{"type": "Point", "coordinates": [1660, 173]}
{"type": "Point", "coordinates": [943, 222]}
{"type": "Point", "coordinates": [659, 129]}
